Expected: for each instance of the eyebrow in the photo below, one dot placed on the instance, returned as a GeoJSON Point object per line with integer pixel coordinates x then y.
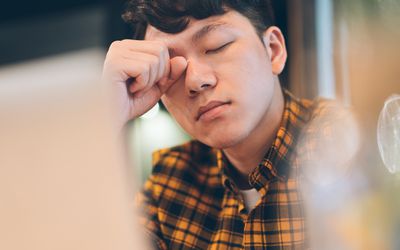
{"type": "Point", "coordinates": [201, 34]}
{"type": "Point", "coordinates": [206, 30]}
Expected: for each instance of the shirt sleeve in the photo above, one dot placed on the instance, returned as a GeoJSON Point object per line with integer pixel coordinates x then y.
{"type": "Point", "coordinates": [148, 215]}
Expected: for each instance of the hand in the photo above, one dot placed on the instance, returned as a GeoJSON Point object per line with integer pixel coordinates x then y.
{"type": "Point", "coordinates": [139, 73]}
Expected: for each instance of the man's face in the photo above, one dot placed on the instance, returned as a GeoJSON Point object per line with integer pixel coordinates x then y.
{"type": "Point", "coordinates": [228, 86]}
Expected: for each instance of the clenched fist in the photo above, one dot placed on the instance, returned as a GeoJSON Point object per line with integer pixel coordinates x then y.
{"type": "Point", "coordinates": [139, 73]}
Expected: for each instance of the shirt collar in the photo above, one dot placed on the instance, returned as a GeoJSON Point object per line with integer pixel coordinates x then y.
{"type": "Point", "coordinates": [277, 160]}
{"type": "Point", "coordinates": [222, 163]}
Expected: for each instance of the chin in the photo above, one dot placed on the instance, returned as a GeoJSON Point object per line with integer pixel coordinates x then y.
{"type": "Point", "coordinates": [223, 139]}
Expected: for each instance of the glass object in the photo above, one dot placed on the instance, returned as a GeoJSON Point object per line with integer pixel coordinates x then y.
{"type": "Point", "coordinates": [388, 134]}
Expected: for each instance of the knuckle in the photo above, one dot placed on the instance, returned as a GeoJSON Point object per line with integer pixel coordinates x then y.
{"type": "Point", "coordinates": [160, 47]}
{"type": "Point", "coordinates": [115, 44]}
{"type": "Point", "coordinates": [126, 41]}
{"type": "Point", "coordinates": [118, 44]}
{"type": "Point", "coordinates": [159, 44]}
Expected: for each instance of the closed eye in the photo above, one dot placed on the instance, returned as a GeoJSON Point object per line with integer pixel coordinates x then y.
{"type": "Point", "coordinates": [219, 49]}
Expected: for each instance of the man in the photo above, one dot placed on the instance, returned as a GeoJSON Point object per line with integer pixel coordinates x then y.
{"type": "Point", "coordinates": [215, 66]}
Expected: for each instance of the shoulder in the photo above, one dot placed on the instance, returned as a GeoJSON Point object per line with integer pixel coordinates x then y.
{"type": "Point", "coordinates": [315, 107]}
{"type": "Point", "coordinates": [329, 140]}
{"type": "Point", "coordinates": [329, 111]}
{"type": "Point", "coordinates": [183, 167]}
{"type": "Point", "coordinates": [193, 153]}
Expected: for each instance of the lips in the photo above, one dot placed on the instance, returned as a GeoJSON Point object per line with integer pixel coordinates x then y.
{"type": "Point", "coordinates": [211, 105]}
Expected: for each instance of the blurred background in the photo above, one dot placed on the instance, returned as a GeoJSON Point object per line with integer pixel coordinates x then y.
{"type": "Point", "coordinates": [345, 50]}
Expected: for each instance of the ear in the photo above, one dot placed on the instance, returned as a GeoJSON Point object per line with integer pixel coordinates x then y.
{"type": "Point", "coordinates": [274, 42]}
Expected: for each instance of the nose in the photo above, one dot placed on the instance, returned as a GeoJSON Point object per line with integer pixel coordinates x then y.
{"type": "Point", "coordinates": [199, 77]}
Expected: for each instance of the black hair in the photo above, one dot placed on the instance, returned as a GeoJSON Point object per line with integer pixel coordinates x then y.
{"type": "Point", "coordinates": [173, 16]}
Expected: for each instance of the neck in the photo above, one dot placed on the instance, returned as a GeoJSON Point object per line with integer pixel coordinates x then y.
{"type": "Point", "coordinates": [247, 155]}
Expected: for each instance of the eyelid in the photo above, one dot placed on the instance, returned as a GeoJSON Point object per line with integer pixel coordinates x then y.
{"type": "Point", "coordinates": [219, 48]}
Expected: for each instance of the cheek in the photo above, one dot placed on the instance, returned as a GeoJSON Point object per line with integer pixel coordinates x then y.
{"type": "Point", "coordinates": [246, 72]}
{"type": "Point", "coordinates": [250, 84]}
{"type": "Point", "coordinates": [244, 61]}
{"type": "Point", "coordinates": [174, 97]}
{"type": "Point", "coordinates": [178, 109]}
{"type": "Point", "coordinates": [171, 104]}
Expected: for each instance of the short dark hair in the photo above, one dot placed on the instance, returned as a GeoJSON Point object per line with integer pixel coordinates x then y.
{"type": "Point", "coordinates": [172, 16]}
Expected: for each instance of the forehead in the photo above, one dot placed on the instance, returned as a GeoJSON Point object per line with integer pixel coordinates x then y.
{"type": "Point", "coordinates": [230, 20]}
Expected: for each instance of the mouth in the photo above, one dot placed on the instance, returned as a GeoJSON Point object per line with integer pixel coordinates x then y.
{"type": "Point", "coordinates": [211, 110]}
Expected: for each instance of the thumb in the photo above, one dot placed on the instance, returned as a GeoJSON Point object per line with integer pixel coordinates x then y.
{"type": "Point", "coordinates": [178, 66]}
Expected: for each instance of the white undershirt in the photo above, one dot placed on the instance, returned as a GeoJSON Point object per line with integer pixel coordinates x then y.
{"type": "Point", "coordinates": [250, 198]}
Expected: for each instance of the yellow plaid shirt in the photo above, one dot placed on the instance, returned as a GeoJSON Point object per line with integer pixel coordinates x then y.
{"type": "Point", "coordinates": [190, 202]}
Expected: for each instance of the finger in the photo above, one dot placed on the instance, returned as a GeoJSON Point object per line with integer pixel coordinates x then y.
{"type": "Point", "coordinates": [163, 62]}
{"type": "Point", "coordinates": [145, 101]}
{"type": "Point", "coordinates": [159, 66]}
{"type": "Point", "coordinates": [156, 48]}
{"type": "Point", "coordinates": [153, 93]}
{"type": "Point", "coordinates": [148, 78]}
{"type": "Point", "coordinates": [154, 63]}
{"type": "Point", "coordinates": [164, 67]}
{"type": "Point", "coordinates": [178, 66]}
{"type": "Point", "coordinates": [140, 80]}
{"type": "Point", "coordinates": [124, 69]}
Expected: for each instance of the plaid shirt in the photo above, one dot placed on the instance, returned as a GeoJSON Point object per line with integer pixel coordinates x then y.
{"type": "Point", "coordinates": [191, 203]}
